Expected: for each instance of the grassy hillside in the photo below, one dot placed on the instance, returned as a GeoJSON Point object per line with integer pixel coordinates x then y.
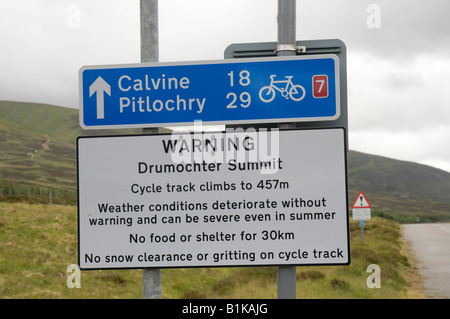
{"type": "Point", "coordinates": [384, 175]}
{"type": "Point", "coordinates": [35, 159]}
{"type": "Point", "coordinates": [59, 123]}
{"type": "Point", "coordinates": [37, 143]}
{"type": "Point", "coordinates": [38, 242]}
{"type": "Point", "coordinates": [42, 119]}
{"type": "Point", "coordinates": [400, 187]}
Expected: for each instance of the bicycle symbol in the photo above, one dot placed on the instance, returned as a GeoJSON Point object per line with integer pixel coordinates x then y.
{"type": "Point", "coordinates": [289, 90]}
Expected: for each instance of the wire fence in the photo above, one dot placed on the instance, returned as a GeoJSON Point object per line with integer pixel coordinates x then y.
{"type": "Point", "coordinates": [10, 191]}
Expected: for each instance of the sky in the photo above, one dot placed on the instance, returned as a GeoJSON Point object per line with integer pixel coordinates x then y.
{"type": "Point", "coordinates": [398, 61]}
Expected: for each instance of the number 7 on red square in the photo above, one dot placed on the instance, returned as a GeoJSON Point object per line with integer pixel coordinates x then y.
{"type": "Point", "coordinates": [320, 86]}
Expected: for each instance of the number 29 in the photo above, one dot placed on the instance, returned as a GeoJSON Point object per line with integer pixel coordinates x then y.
{"type": "Point", "coordinates": [244, 98]}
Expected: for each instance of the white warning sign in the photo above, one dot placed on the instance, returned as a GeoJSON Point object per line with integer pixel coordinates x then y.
{"type": "Point", "coordinates": [240, 198]}
{"type": "Point", "coordinates": [361, 208]}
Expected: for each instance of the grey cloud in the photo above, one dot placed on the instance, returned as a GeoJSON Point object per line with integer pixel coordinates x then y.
{"type": "Point", "coordinates": [406, 28]}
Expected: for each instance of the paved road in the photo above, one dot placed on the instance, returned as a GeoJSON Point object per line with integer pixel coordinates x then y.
{"type": "Point", "coordinates": [431, 245]}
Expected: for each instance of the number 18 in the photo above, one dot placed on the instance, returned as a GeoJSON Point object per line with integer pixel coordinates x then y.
{"type": "Point", "coordinates": [244, 78]}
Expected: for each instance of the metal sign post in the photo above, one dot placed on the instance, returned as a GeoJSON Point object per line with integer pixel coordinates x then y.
{"type": "Point", "coordinates": [151, 277]}
{"type": "Point", "coordinates": [286, 275]}
{"type": "Point", "coordinates": [361, 225]}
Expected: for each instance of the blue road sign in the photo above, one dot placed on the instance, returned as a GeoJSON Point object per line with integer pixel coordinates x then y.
{"type": "Point", "coordinates": [268, 90]}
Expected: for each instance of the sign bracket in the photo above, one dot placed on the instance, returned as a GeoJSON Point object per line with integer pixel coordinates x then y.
{"type": "Point", "coordinates": [290, 48]}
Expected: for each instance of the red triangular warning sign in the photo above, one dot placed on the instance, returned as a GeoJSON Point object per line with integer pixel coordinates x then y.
{"type": "Point", "coordinates": [361, 201]}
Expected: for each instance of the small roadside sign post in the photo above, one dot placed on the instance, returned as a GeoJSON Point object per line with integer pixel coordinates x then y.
{"type": "Point", "coordinates": [361, 211]}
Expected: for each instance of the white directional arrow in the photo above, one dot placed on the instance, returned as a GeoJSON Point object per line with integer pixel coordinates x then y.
{"type": "Point", "coordinates": [100, 86]}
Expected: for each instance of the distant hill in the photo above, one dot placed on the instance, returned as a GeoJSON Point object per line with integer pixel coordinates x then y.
{"type": "Point", "coordinates": [60, 123]}
{"type": "Point", "coordinates": [37, 144]}
{"type": "Point", "coordinates": [42, 119]}
{"type": "Point", "coordinates": [35, 155]}
{"type": "Point", "coordinates": [399, 187]}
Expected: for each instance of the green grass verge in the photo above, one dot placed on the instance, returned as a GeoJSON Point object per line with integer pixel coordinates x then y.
{"type": "Point", "coordinates": [38, 242]}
